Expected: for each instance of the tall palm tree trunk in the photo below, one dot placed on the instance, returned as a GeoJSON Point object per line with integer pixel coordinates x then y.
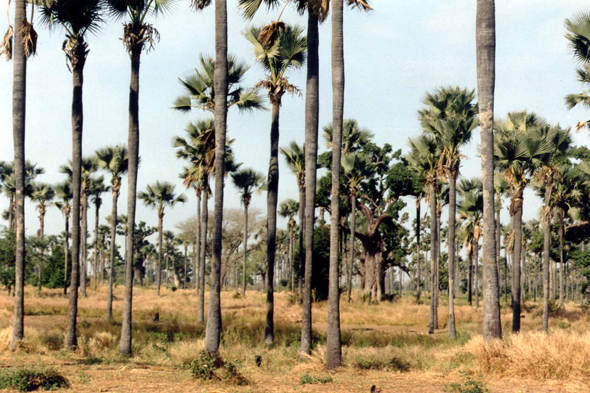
{"type": "Point", "coordinates": [204, 222]}
{"type": "Point", "coordinates": [433, 261]}
{"type": "Point", "coordinates": [96, 222]}
{"type": "Point", "coordinates": [486, 81]}
{"type": "Point", "coordinates": [198, 245]}
{"type": "Point", "coordinates": [516, 208]}
{"type": "Point", "coordinates": [112, 256]}
{"type": "Point", "coordinates": [301, 256]}
{"type": "Point", "coordinates": [133, 153]}
{"type": "Point", "coordinates": [351, 257]}
{"type": "Point", "coordinates": [419, 272]}
{"type": "Point", "coordinates": [498, 242]}
{"type": "Point", "coordinates": [159, 268]}
{"type": "Point", "coordinates": [66, 251]}
{"type": "Point", "coordinates": [311, 152]}
{"type": "Point", "coordinates": [451, 245]}
{"type": "Point", "coordinates": [83, 244]}
{"type": "Point", "coordinates": [334, 342]}
{"type": "Point", "coordinates": [546, 220]}
{"type": "Point", "coordinates": [476, 275]}
{"type": "Point", "coordinates": [271, 219]}
{"type": "Point", "coordinates": [561, 259]}
{"type": "Point", "coordinates": [470, 274]}
{"type": "Point", "coordinates": [77, 124]}
{"type": "Point", "coordinates": [245, 250]}
{"type": "Point", "coordinates": [213, 334]}
{"type": "Point", "coordinates": [19, 97]}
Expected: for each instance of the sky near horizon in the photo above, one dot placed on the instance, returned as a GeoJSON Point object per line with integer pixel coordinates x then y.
{"type": "Point", "coordinates": [393, 56]}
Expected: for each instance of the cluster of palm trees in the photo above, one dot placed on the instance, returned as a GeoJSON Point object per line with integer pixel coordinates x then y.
{"type": "Point", "coordinates": [518, 151]}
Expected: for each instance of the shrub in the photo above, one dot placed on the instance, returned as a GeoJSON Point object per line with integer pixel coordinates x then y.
{"type": "Point", "coordinates": [468, 385]}
{"type": "Point", "coordinates": [30, 379]}
{"type": "Point", "coordinates": [307, 379]}
{"type": "Point", "coordinates": [204, 366]}
{"type": "Point", "coordinates": [231, 374]}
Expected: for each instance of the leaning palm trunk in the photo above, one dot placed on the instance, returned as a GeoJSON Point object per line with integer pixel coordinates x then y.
{"type": "Point", "coordinates": [83, 243]}
{"type": "Point", "coordinates": [311, 152]}
{"type": "Point", "coordinates": [112, 256]}
{"type": "Point", "coordinates": [486, 79]}
{"type": "Point", "coordinates": [433, 261]}
{"type": "Point", "coordinates": [77, 124]}
{"type": "Point", "coordinates": [213, 333]}
{"type": "Point", "coordinates": [333, 342]}
{"type": "Point", "coordinates": [271, 218]}
{"type": "Point", "coordinates": [19, 96]}
{"type": "Point", "coordinates": [352, 238]}
{"type": "Point", "coordinates": [197, 244]}
{"type": "Point", "coordinates": [133, 154]}
{"type": "Point", "coordinates": [245, 250]}
{"type": "Point", "coordinates": [451, 244]}
{"type": "Point", "coordinates": [516, 211]}
{"type": "Point", "coordinates": [159, 268]}
{"type": "Point", "coordinates": [204, 221]}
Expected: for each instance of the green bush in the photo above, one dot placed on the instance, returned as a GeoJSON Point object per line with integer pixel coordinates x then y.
{"type": "Point", "coordinates": [307, 379]}
{"type": "Point", "coordinates": [468, 385]}
{"type": "Point", "coordinates": [231, 374]}
{"type": "Point", "coordinates": [30, 379]}
{"type": "Point", "coordinates": [204, 366]}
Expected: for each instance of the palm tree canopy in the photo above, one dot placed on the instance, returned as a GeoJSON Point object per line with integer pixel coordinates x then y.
{"type": "Point", "coordinates": [246, 181]}
{"type": "Point", "coordinates": [114, 159]}
{"type": "Point", "coordinates": [424, 156]}
{"type": "Point", "coordinates": [354, 137]}
{"type": "Point", "coordinates": [76, 16]}
{"type": "Point", "coordinates": [42, 193]}
{"type": "Point", "coordinates": [199, 88]}
{"type": "Point", "coordinates": [97, 187]}
{"type": "Point", "coordinates": [160, 195]}
{"type": "Point", "coordinates": [288, 209]}
{"type": "Point", "coordinates": [295, 158]}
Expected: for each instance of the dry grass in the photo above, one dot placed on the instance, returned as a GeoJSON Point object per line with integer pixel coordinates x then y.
{"type": "Point", "coordinates": [384, 344]}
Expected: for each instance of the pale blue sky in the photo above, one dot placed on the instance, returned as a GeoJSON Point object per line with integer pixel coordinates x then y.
{"type": "Point", "coordinates": [394, 54]}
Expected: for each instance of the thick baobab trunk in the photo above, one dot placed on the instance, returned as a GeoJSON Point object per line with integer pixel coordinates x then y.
{"type": "Point", "coordinates": [83, 244]}
{"type": "Point", "coordinates": [112, 256]}
{"type": "Point", "coordinates": [419, 272]}
{"type": "Point", "coordinates": [352, 239]}
{"type": "Point", "coordinates": [19, 96]}
{"type": "Point", "coordinates": [159, 268]}
{"type": "Point", "coordinates": [77, 124]}
{"type": "Point", "coordinates": [486, 81]}
{"type": "Point", "coordinates": [245, 259]}
{"type": "Point", "coordinates": [516, 210]}
{"type": "Point", "coordinates": [311, 152]}
{"type": "Point", "coordinates": [333, 341]}
{"type": "Point", "coordinates": [433, 261]}
{"type": "Point", "coordinates": [213, 333]}
{"type": "Point", "coordinates": [125, 347]}
{"type": "Point", "coordinates": [301, 255]}
{"type": "Point", "coordinates": [197, 264]}
{"type": "Point", "coordinates": [451, 244]}
{"type": "Point", "coordinates": [204, 223]}
{"type": "Point", "coordinates": [271, 218]}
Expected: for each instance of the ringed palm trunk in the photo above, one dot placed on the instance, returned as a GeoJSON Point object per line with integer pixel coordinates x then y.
{"type": "Point", "coordinates": [83, 244]}
{"type": "Point", "coordinates": [133, 146]}
{"type": "Point", "coordinates": [112, 256]}
{"type": "Point", "coordinates": [271, 218]}
{"type": "Point", "coordinates": [19, 97]}
{"type": "Point", "coordinates": [213, 334]}
{"type": "Point", "coordinates": [159, 269]}
{"type": "Point", "coordinates": [486, 81]}
{"type": "Point", "coordinates": [433, 260]}
{"type": "Point", "coordinates": [245, 250]}
{"type": "Point", "coordinates": [334, 342]}
{"type": "Point", "coordinates": [77, 124]}
{"type": "Point", "coordinates": [204, 222]}
{"type": "Point", "coordinates": [451, 245]}
{"type": "Point", "coordinates": [198, 245]}
{"type": "Point", "coordinates": [351, 257]}
{"type": "Point", "coordinates": [301, 256]}
{"type": "Point", "coordinates": [516, 209]}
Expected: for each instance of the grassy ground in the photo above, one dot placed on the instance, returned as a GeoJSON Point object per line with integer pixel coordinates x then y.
{"type": "Point", "coordinates": [386, 345]}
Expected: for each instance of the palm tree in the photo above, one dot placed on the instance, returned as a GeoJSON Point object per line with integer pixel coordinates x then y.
{"type": "Point", "coordinates": [43, 194]}
{"type": "Point", "coordinates": [485, 37]}
{"type": "Point", "coordinates": [8, 179]}
{"type": "Point", "coordinates": [78, 18]}
{"type": "Point", "coordinates": [450, 116]}
{"type": "Point", "coordinates": [138, 35]}
{"type": "Point", "coordinates": [246, 181]}
{"type": "Point", "coordinates": [64, 192]}
{"type": "Point", "coordinates": [285, 53]}
{"type": "Point", "coordinates": [25, 43]}
{"type": "Point", "coordinates": [520, 150]}
{"type": "Point", "coordinates": [288, 209]}
{"type": "Point", "coordinates": [423, 159]}
{"type": "Point", "coordinates": [115, 160]}
{"type": "Point", "coordinates": [579, 39]}
{"type": "Point", "coordinates": [97, 188]}
{"type": "Point", "coordinates": [295, 157]}
{"type": "Point", "coordinates": [159, 196]}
